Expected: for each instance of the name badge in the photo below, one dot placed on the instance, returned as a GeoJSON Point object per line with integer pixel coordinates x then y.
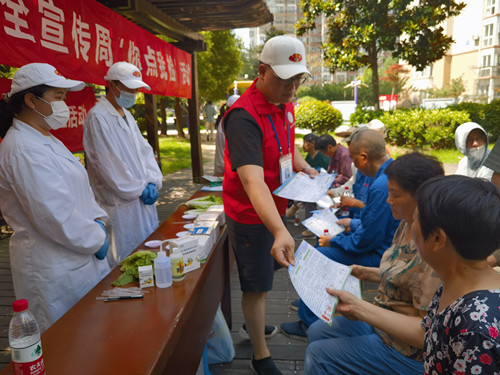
{"type": "Point", "coordinates": [286, 168]}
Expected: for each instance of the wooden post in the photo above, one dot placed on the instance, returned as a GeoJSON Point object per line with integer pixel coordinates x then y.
{"type": "Point", "coordinates": [152, 125]}
{"type": "Point", "coordinates": [194, 123]}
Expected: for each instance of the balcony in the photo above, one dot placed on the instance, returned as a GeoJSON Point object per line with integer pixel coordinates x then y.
{"type": "Point", "coordinates": [489, 71]}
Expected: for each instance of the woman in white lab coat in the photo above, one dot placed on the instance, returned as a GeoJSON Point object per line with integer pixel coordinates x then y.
{"type": "Point", "coordinates": [58, 248]}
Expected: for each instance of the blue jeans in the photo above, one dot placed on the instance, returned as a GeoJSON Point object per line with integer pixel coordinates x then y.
{"type": "Point", "coordinates": [371, 259]}
{"type": "Point", "coordinates": [353, 347]}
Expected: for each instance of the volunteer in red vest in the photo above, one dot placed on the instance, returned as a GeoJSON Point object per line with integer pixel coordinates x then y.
{"type": "Point", "coordinates": [260, 154]}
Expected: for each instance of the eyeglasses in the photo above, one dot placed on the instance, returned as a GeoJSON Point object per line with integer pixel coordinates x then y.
{"type": "Point", "coordinates": [297, 80]}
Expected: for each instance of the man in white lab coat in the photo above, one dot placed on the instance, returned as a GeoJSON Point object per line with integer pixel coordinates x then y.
{"type": "Point", "coordinates": [122, 169]}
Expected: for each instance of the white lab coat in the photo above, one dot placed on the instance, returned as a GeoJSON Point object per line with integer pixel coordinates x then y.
{"type": "Point", "coordinates": [120, 163]}
{"type": "Point", "coordinates": [46, 198]}
{"type": "Point", "coordinates": [464, 167]}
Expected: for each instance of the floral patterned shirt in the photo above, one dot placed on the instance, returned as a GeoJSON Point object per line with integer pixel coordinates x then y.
{"type": "Point", "coordinates": [465, 337]}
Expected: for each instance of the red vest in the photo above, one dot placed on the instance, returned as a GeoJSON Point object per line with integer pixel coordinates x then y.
{"type": "Point", "coordinates": [237, 205]}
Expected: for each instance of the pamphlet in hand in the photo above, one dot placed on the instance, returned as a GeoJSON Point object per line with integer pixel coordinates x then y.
{"type": "Point", "coordinates": [303, 188]}
{"type": "Point", "coordinates": [313, 273]}
{"type": "Point", "coordinates": [324, 219]}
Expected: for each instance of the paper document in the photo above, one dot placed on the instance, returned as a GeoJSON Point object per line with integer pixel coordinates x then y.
{"type": "Point", "coordinates": [312, 274]}
{"type": "Point", "coordinates": [325, 201]}
{"type": "Point", "coordinates": [303, 188]}
{"type": "Point", "coordinates": [324, 219]}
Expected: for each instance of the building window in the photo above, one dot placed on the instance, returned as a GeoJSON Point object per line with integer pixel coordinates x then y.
{"type": "Point", "coordinates": [489, 7]}
{"type": "Point", "coordinates": [486, 61]}
{"type": "Point", "coordinates": [488, 35]}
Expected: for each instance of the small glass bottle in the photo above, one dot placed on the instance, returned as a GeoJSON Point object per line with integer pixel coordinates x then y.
{"type": "Point", "coordinates": [177, 263]}
{"type": "Point", "coordinates": [24, 341]}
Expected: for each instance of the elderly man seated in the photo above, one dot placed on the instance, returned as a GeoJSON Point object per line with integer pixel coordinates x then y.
{"type": "Point", "coordinates": [366, 238]}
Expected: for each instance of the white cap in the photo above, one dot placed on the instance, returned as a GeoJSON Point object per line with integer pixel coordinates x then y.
{"type": "Point", "coordinates": [126, 73]}
{"type": "Point", "coordinates": [377, 125]}
{"type": "Point", "coordinates": [286, 55]}
{"type": "Point", "coordinates": [231, 100]}
{"type": "Point", "coordinates": [35, 74]}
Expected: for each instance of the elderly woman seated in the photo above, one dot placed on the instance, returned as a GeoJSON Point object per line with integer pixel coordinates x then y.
{"type": "Point", "coordinates": [456, 226]}
{"type": "Point", "coordinates": [407, 285]}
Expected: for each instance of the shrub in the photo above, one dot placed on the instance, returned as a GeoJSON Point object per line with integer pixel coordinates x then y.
{"type": "Point", "coordinates": [486, 115]}
{"type": "Point", "coordinates": [491, 121]}
{"type": "Point", "coordinates": [424, 128]}
{"type": "Point", "coordinates": [364, 116]}
{"type": "Point", "coordinates": [318, 116]}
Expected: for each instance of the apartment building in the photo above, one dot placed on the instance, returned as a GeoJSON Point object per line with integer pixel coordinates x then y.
{"type": "Point", "coordinates": [475, 55]}
{"type": "Point", "coordinates": [286, 13]}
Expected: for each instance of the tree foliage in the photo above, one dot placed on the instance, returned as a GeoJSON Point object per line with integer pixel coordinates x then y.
{"type": "Point", "coordinates": [395, 75]}
{"type": "Point", "coordinates": [358, 30]}
{"type": "Point", "coordinates": [219, 65]}
{"type": "Point", "coordinates": [452, 90]}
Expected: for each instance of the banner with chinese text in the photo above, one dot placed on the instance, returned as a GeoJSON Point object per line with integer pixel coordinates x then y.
{"type": "Point", "coordinates": [82, 39]}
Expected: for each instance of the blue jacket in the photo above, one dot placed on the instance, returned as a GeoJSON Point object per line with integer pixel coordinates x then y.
{"type": "Point", "coordinates": [360, 189]}
{"type": "Point", "coordinates": [374, 230]}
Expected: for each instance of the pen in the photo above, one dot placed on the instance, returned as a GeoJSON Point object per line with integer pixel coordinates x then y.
{"type": "Point", "coordinates": [121, 298]}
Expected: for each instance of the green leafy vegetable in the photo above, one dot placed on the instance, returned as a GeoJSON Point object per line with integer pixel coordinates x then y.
{"type": "Point", "coordinates": [204, 202]}
{"type": "Point", "coordinates": [130, 266]}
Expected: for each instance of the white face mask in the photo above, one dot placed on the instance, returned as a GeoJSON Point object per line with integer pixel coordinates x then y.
{"type": "Point", "coordinates": [60, 114]}
{"type": "Point", "coordinates": [475, 156]}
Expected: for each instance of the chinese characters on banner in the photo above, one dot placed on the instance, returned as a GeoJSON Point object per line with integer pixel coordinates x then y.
{"type": "Point", "coordinates": [79, 104]}
{"type": "Point", "coordinates": [82, 39]}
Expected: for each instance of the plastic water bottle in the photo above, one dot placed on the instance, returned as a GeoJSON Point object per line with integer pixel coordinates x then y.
{"type": "Point", "coordinates": [344, 210]}
{"type": "Point", "coordinates": [297, 220]}
{"type": "Point", "coordinates": [163, 270]}
{"type": "Point", "coordinates": [24, 341]}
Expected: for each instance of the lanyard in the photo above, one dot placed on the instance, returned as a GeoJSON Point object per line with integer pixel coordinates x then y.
{"type": "Point", "coordinates": [276, 134]}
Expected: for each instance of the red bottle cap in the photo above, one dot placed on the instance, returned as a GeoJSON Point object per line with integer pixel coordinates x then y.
{"type": "Point", "coordinates": [20, 305]}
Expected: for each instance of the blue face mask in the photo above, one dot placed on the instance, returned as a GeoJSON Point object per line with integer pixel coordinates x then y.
{"type": "Point", "coordinates": [126, 99]}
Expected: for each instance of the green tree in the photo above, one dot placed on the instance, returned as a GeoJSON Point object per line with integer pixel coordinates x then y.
{"type": "Point", "coordinates": [219, 65]}
{"type": "Point", "coordinates": [360, 29]}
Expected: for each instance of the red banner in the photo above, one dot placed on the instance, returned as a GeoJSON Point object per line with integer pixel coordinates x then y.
{"type": "Point", "coordinates": [79, 103]}
{"type": "Point", "coordinates": [82, 39]}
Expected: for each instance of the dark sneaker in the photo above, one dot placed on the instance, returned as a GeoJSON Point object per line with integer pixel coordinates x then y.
{"type": "Point", "coordinates": [270, 332]}
{"type": "Point", "coordinates": [294, 305]}
{"type": "Point", "coordinates": [295, 330]}
{"type": "Point", "coordinates": [264, 366]}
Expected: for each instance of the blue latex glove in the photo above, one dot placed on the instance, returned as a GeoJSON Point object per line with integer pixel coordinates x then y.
{"type": "Point", "coordinates": [153, 192]}
{"type": "Point", "coordinates": [101, 253]}
{"type": "Point", "coordinates": [149, 194]}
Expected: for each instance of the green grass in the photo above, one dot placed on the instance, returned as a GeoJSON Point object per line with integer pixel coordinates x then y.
{"type": "Point", "coordinates": [175, 154]}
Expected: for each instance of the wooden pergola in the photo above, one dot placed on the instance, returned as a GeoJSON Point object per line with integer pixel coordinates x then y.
{"type": "Point", "coordinates": [182, 20]}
